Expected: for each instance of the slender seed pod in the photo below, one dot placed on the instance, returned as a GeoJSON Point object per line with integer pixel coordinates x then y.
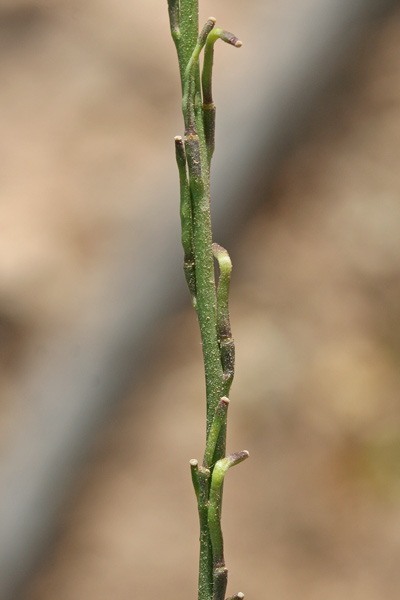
{"type": "Point", "coordinates": [214, 508]}
{"type": "Point", "coordinates": [188, 104]}
{"type": "Point", "coordinates": [173, 10]}
{"type": "Point", "coordinates": [209, 109]}
{"type": "Point", "coordinates": [219, 420]}
{"type": "Point", "coordinates": [186, 220]}
{"type": "Point", "coordinates": [226, 341]}
{"type": "Point", "coordinates": [194, 470]}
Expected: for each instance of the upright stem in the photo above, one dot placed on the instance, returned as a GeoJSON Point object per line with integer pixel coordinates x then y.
{"type": "Point", "coordinates": [193, 155]}
{"type": "Point", "coordinates": [206, 554]}
{"type": "Point", "coordinates": [189, 31]}
{"type": "Point", "coordinates": [189, 45]}
{"type": "Point", "coordinates": [204, 268]}
{"type": "Point", "coordinates": [205, 296]}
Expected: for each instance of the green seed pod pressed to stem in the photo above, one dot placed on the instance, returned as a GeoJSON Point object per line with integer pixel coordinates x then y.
{"type": "Point", "coordinates": [194, 152]}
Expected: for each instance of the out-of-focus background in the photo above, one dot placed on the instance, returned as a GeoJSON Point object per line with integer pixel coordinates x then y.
{"type": "Point", "coordinates": [89, 101]}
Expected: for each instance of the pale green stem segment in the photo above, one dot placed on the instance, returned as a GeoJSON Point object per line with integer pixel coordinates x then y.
{"type": "Point", "coordinates": [208, 102]}
{"type": "Point", "coordinates": [214, 508]}
{"type": "Point", "coordinates": [186, 220]}
{"type": "Point", "coordinates": [225, 339]}
{"type": "Point", "coordinates": [212, 439]}
{"type": "Point", "coordinates": [194, 470]}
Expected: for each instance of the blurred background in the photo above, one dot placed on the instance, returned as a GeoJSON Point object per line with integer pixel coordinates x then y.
{"type": "Point", "coordinates": [101, 388]}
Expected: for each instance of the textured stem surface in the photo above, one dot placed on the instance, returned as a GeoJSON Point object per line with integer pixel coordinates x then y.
{"type": "Point", "coordinates": [206, 553]}
{"type": "Point", "coordinates": [193, 156]}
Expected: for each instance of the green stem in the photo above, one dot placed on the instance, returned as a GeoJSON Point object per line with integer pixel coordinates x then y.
{"type": "Point", "coordinates": [189, 30]}
{"type": "Point", "coordinates": [202, 237]}
{"type": "Point", "coordinates": [205, 283]}
{"type": "Point", "coordinates": [206, 556]}
{"type": "Point", "coordinates": [193, 157]}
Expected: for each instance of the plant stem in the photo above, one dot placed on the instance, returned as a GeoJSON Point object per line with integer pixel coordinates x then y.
{"type": "Point", "coordinates": [189, 46]}
{"type": "Point", "coordinates": [193, 156]}
{"type": "Point", "coordinates": [204, 269]}
{"type": "Point", "coordinates": [206, 554]}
